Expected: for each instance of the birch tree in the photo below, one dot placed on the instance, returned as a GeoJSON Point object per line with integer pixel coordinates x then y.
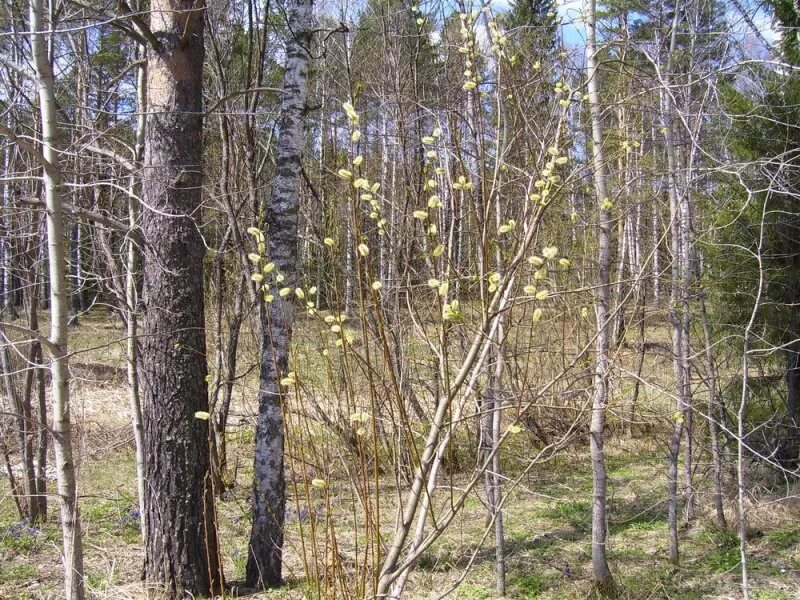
{"type": "Point", "coordinates": [264, 559]}
{"type": "Point", "coordinates": [601, 571]}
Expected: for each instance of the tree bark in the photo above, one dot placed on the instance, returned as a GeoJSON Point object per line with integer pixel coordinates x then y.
{"type": "Point", "coordinates": [677, 300]}
{"type": "Point", "coordinates": [35, 374]}
{"type": "Point", "coordinates": [181, 546]}
{"type": "Point", "coordinates": [713, 412]}
{"type": "Point", "coordinates": [59, 304]}
{"type": "Point", "coordinates": [132, 296]}
{"type": "Point", "coordinates": [21, 407]}
{"type": "Point", "coordinates": [264, 560]}
{"type": "Point", "coordinates": [602, 574]}
{"type": "Point", "coordinates": [6, 248]}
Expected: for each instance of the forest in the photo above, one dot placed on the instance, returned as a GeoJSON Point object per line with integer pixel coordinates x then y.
{"type": "Point", "coordinates": [399, 300]}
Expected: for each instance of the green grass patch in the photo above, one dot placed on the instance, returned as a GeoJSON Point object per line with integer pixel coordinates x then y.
{"type": "Point", "coordinates": [18, 573]}
{"type": "Point", "coordinates": [576, 513]}
{"type": "Point", "coordinates": [19, 539]}
{"type": "Point", "coordinates": [473, 591]}
{"type": "Point", "coordinates": [724, 554]}
{"type": "Point", "coordinates": [772, 595]}
{"type": "Point", "coordinates": [642, 523]}
{"type": "Point", "coordinates": [116, 518]}
{"type": "Point", "coordinates": [784, 538]}
{"type": "Point", "coordinates": [530, 585]}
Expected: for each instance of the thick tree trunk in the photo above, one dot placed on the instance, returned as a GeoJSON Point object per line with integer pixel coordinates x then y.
{"type": "Point", "coordinates": [181, 545]}
{"type": "Point", "coordinates": [59, 303]}
{"type": "Point", "coordinates": [269, 500]}
{"type": "Point", "coordinates": [602, 574]}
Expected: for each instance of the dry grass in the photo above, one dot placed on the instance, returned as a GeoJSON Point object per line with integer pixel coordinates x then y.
{"type": "Point", "coordinates": [546, 510]}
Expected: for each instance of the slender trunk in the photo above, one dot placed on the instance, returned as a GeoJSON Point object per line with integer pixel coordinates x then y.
{"type": "Point", "coordinates": [490, 439]}
{"type": "Point", "coordinates": [59, 313]}
{"type": "Point", "coordinates": [6, 248]}
{"type": "Point", "coordinates": [75, 272]}
{"type": "Point", "coordinates": [43, 434]}
{"type": "Point", "coordinates": [132, 297]}
{"type": "Point", "coordinates": [678, 332]}
{"type": "Point", "coordinates": [264, 559]}
{"type": "Point", "coordinates": [385, 245]}
{"type": "Point", "coordinates": [350, 259]}
{"type": "Point", "coordinates": [713, 424]}
{"type": "Point", "coordinates": [21, 407]}
{"type": "Point", "coordinates": [686, 352]}
{"type": "Point", "coordinates": [601, 572]}
{"type": "Point", "coordinates": [741, 473]}
{"type": "Point", "coordinates": [228, 376]}
{"type": "Point", "coordinates": [793, 348]}
{"type": "Point", "coordinates": [740, 467]}
{"type": "Point", "coordinates": [218, 430]}
{"type": "Point", "coordinates": [641, 324]}
{"type": "Point", "coordinates": [24, 495]}
{"type": "Point", "coordinates": [35, 375]}
{"type": "Point", "coordinates": [132, 355]}
{"type": "Point", "coordinates": [656, 273]}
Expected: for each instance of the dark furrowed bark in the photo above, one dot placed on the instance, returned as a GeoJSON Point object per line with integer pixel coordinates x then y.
{"type": "Point", "coordinates": [181, 545]}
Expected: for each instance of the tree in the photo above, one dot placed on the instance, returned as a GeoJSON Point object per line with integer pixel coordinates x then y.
{"type": "Point", "coordinates": [265, 553]}
{"type": "Point", "coordinates": [181, 545]}
{"type": "Point", "coordinates": [602, 574]}
{"type": "Point", "coordinates": [59, 309]}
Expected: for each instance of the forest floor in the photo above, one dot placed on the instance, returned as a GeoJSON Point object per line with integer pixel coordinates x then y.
{"type": "Point", "coordinates": [547, 518]}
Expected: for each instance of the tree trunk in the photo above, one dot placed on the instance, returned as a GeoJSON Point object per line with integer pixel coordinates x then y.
{"type": "Point", "coordinates": [35, 374]}
{"type": "Point", "coordinates": [228, 376]}
{"type": "Point", "coordinates": [602, 574]}
{"type": "Point", "coordinates": [59, 303]}
{"type": "Point", "coordinates": [793, 348]}
{"type": "Point", "coordinates": [713, 412]}
{"type": "Point", "coordinates": [181, 545]}
{"type": "Point", "coordinates": [6, 248]}
{"type": "Point", "coordinates": [264, 560]}
{"type": "Point", "coordinates": [678, 302]}
{"type": "Point", "coordinates": [21, 408]}
{"type": "Point", "coordinates": [490, 440]}
{"type": "Point", "coordinates": [132, 296]}
{"type": "Point", "coordinates": [75, 273]}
